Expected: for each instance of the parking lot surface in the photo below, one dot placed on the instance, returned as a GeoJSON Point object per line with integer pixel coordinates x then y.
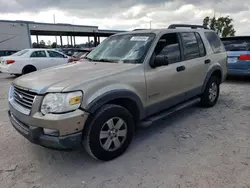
{"type": "Point", "coordinates": [193, 148]}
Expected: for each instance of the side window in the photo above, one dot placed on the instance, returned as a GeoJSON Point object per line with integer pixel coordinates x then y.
{"type": "Point", "coordinates": [169, 46]}
{"type": "Point", "coordinates": [215, 42]}
{"type": "Point", "coordinates": [55, 54]}
{"type": "Point", "coordinates": [190, 46]}
{"type": "Point", "coordinates": [201, 45]}
{"type": "Point", "coordinates": [38, 54]}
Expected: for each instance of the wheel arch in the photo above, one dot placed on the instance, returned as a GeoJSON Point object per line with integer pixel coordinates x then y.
{"type": "Point", "coordinates": [214, 71]}
{"type": "Point", "coordinates": [29, 65]}
{"type": "Point", "coordinates": [124, 98]}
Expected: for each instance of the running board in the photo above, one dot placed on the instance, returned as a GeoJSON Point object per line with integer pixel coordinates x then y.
{"type": "Point", "coordinates": [152, 119]}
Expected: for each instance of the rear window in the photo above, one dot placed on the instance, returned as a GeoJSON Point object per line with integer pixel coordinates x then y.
{"type": "Point", "coordinates": [215, 42]}
{"type": "Point", "coordinates": [235, 44]}
{"type": "Point", "coordinates": [20, 53]}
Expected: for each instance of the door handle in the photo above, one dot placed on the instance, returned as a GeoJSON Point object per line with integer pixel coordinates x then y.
{"type": "Point", "coordinates": [181, 68]}
{"type": "Point", "coordinates": [207, 61]}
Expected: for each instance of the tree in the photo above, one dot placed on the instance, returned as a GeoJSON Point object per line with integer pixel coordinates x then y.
{"type": "Point", "coordinates": [223, 25]}
{"type": "Point", "coordinates": [35, 45]}
{"type": "Point", "coordinates": [42, 44]}
{"type": "Point", "coordinates": [54, 45]}
{"type": "Point", "coordinates": [49, 43]}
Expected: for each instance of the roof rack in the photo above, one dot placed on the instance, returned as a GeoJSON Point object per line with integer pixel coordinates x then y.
{"type": "Point", "coordinates": [139, 29]}
{"type": "Point", "coordinates": [174, 26]}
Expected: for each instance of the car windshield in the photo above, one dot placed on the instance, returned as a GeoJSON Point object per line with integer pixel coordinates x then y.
{"type": "Point", "coordinates": [126, 48]}
{"type": "Point", "coordinates": [237, 44]}
{"type": "Point", "coordinates": [20, 53]}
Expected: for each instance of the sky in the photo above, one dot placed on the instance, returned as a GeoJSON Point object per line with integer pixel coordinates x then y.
{"type": "Point", "coordinates": [127, 14]}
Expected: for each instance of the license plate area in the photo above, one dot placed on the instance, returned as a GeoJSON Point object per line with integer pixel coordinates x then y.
{"type": "Point", "coordinates": [232, 60]}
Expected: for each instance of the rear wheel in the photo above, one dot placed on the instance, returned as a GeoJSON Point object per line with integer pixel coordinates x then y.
{"type": "Point", "coordinates": [211, 93]}
{"type": "Point", "coordinates": [109, 133]}
{"type": "Point", "coordinates": [28, 69]}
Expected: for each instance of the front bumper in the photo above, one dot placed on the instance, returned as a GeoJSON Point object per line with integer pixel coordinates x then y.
{"type": "Point", "coordinates": [238, 72]}
{"type": "Point", "coordinates": [69, 126]}
{"type": "Point", "coordinates": [36, 136]}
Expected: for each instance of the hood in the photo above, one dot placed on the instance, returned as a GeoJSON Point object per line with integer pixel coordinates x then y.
{"type": "Point", "coordinates": [58, 78]}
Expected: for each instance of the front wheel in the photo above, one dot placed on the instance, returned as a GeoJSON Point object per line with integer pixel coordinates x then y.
{"type": "Point", "coordinates": [211, 93]}
{"type": "Point", "coordinates": [109, 133]}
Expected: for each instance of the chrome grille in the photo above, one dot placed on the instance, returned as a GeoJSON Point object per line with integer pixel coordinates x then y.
{"type": "Point", "coordinates": [24, 98]}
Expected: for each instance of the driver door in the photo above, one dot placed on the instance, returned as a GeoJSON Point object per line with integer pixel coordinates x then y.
{"type": "Point", "coordinates": [166, 84]}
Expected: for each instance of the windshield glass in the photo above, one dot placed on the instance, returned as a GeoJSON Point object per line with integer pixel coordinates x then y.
{"type": "Point", "coordinates": [20, 53]}
{"type": "Point", "coordinates": [127, 48]}
{"type": "Point", "coordinates": [237, 44]}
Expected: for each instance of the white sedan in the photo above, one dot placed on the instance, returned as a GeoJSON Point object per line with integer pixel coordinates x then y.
{"type": "Point", "coordinates": [30, 60]}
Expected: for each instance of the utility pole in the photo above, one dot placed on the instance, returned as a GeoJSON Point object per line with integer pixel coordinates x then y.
{"type": "Point", "coordinates": [150, 25]}
{"type": "Point", "coordinates": [54, 17]}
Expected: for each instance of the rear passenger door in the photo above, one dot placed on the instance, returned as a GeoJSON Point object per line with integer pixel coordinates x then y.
{"type": "Point", "coordinates": [56, 58]}
{"type": "Point", "coordinates": [39, 59]}
{"type": "Point", "coordinates": [195, 62]}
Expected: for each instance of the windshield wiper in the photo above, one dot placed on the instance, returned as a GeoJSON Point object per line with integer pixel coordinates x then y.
{"type": "Point", "coordinates": [106, 60]}
{"type": "Point", "coordinates": [89, 59]}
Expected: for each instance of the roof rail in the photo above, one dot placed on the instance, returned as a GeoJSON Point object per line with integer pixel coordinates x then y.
{"type": "Point", "coordinates": [139, 29]}
{"type": "Point", "coordinates": [174, 26]}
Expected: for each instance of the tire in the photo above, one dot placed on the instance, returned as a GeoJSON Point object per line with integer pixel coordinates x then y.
{"type": "Point", "coordinates": [211, 93]}
{"type": "Point", "coordinates": [95, 145]}
{"type": "Point", "coordinates": [28, 69]}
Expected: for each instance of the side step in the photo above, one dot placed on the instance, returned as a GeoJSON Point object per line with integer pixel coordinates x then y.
{"type": "Point", "coordinates": [152, 119]}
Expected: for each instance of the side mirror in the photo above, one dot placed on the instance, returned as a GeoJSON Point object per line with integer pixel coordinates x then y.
{"type": "Point", "coordinates": [160, 61]}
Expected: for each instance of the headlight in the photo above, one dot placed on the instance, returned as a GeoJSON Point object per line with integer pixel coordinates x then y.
{"type": "Point", "coordinates": [61, 102]}
{"type": "Point", "coordinates": [11, 92]}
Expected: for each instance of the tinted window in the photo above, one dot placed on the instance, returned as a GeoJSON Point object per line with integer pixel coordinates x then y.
{"type": "Point", "coordinates": [190, 45]}
{"type": "Point", "coordinates": [215, 42]}
{"type": "Point", "coordinates": [169, 46]}
{"type": "Point", "coordinates": [235, 44]}
{"type": "Point", "coordinates": [38, 54]}
{"type": "Point", "coordinates": [55, 54]}
{"type": "Point", "coordinates": [201, 45]}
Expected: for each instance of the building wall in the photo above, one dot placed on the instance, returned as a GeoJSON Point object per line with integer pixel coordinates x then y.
{"type": "Point", "coordinates": [14, 36]}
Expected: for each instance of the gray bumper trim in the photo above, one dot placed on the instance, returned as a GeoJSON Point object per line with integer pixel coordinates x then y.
{"type": "Point", "coordinates": [36, 136]}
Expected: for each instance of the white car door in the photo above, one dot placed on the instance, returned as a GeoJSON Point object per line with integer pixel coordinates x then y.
{"type": "Point", "coordinates": [39, 59]}
{"type": "Point", "coordinates": [57, 58]}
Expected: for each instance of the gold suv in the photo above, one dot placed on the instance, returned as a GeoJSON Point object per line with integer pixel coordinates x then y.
{"type": "Point", "coordinates": [132, 78]}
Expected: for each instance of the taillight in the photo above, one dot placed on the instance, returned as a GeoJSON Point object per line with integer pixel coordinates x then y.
{"type": "Point", "coordinates": [244, 57]}
{"type": "Point", "coordinates": [10, 62]}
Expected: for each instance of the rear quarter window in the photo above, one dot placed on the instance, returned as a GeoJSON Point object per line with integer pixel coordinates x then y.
{"type": "Point", "coordinates": [237, 43]}
{"type": "Point", "coordinates": [215, 42]}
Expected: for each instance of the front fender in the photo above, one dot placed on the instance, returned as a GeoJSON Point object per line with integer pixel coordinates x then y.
{"type": "Point", "coordinates": [112, 95]}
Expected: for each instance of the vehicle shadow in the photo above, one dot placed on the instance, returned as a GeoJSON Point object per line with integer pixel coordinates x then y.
{"type": "Point", "coordinates": [7, 76]}
{"type": "Point", "coordinates": [238, 79]}
{"type": "Point", "coordinates": [78, 160]}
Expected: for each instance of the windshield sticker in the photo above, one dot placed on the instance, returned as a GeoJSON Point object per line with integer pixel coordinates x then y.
{"type": "Point", "coordinates": [139, 38]}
